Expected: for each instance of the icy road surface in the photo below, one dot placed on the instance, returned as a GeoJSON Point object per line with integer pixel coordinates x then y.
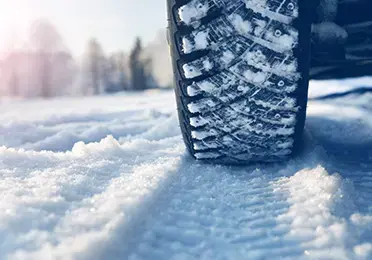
{"type": "Point", "coordinates": [109, 178]}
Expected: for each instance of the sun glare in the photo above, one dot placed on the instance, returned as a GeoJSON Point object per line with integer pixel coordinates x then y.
{"type": "Point", "coordinates": [13, 21]}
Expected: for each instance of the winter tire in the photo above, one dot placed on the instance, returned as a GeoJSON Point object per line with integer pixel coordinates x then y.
{"type": "Point", "coordinates": [241, 74]}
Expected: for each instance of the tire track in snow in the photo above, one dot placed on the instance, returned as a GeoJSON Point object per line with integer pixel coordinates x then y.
{"type": "Point", "coordinates": [143, 198]}
{"type": "Point", "coordinates": [345, 133]}
{"type": "Point", "coordinates": [308, 214]}
{"type": "Point", "coordinates": [324, 217]}
{"type": "Point", "coordinates": [215, 213]}
{"type": "Point", "coordinates": [223, 213]}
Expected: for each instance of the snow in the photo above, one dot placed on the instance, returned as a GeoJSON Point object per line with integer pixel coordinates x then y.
{"type": "Point", "coordinates": [321, 88]}
{"type": "Point", "coordinates": [228, 57]}
{"type": "Point", "coordinates": [259, 60]}
{"type": "Point", "coordinates": [191, 71]}
{"type": "Point", "coordinates": [259, 6]}
{"type": "Point", "coordinates": [283, 41]}
{"type": "Point", "coordinates": [201, 40]}
{"type": "Point", "coordinates": [207, 86]}
{"type": "Point", "coordinates": [286, 41]}
{"type": "Point", "coordinates": [187, 46]}
{"type": "Point", "coordinates": [255, 77]}
{"type": "Point", "coordinates": [243, 27]}
{"type": "Point", "coordinates": [193, 11]}
{"type": "Point", "coordinates": [207, 65]}
{"type": "Point", "coordinates": [109, 178]}
{"type": "Point", "coordinates": [197, 41]}
{"type": "Point", "coordinates": [198, 121]}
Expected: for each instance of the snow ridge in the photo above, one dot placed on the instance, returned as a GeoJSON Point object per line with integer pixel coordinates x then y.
{"type": "Point", "coordinates": [326, 201]}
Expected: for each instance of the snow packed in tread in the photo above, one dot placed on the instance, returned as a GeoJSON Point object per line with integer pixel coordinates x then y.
{"type": "Point", "coordinates": [245, 80]}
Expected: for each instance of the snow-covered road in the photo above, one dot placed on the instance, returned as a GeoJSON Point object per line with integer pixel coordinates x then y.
{"type": "Point", "coordinates": [109, 178]}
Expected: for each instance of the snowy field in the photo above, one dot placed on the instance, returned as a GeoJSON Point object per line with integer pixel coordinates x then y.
{"type": "Point", "coordinates": [109, 178]}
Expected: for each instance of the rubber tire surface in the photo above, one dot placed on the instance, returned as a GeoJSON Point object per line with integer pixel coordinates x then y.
{"type": "Point", "coordinates": [241, 71]}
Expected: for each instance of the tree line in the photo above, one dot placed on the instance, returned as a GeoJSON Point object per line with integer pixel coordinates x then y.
{"type": "Point", "coordinates": [46, 68]}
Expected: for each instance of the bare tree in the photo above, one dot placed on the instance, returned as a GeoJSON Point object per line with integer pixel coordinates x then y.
{"type": "Point", "coordinates": [45, 37]}
{"type": "Point", "coordinates": [137, 67]}
{"type": "Point", "coordinates": [95, 65]}
{"type": "Point", "coordinates": [45, 42]}
{"type": "Point", "coordinates": [120, 61]}
{"type": "Point", "coordinates": [114, 73]}
{"type": "Point", "coordinates": [13, 87]}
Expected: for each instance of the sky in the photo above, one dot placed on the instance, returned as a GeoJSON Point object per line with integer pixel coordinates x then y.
{"type": "Point", "coordinates": [115, 23]}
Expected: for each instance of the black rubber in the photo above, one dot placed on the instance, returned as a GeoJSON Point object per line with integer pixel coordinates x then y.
{"type": "Point", "coordinates": [241, 75]}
